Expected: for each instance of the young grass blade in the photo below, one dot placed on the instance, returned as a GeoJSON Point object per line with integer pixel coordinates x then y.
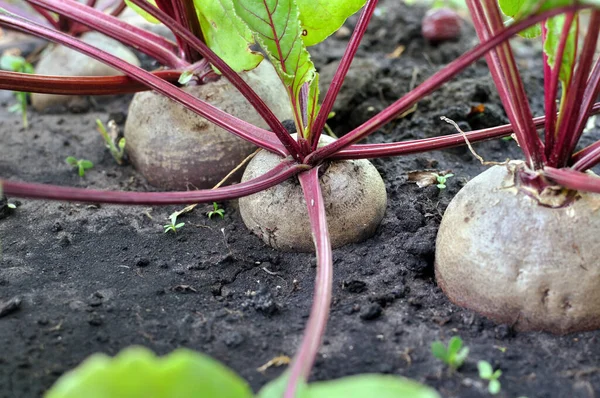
{"type": "Point", "coordinates": [78, 85]}
{"type": "Point", "coordinates": [431, 84]}
{"type": "Point", "coordinates": [147, 42]}
{"type": "Point", "coordinates": [242, 129]}
{"type": "Point", "coordinates": [276, 126]}
{"type": "Point", "coordinates": [277, 29]}
{"type": "Point", "coordinates": [282, 172]}
{"type": "Point", "coordinates": [319, 313]}
{"type": "Point", "coordinates": [340, 73]}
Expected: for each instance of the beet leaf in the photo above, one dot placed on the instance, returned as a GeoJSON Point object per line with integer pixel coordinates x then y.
{"type": "Point", "coordinates": [226, 34]}
{"type": "Point", "coordinates": [137, 373]}
{"type": "Point", "coordinates": [321, 18]}
{"type": "Point", "coordinates": [276, 26]}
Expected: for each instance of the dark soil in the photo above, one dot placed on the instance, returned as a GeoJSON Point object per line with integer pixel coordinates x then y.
{"type": "Point", "coordinates": [91, 278]}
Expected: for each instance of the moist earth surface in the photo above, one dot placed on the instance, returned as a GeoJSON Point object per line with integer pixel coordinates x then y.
{"type": "Point", "coordinates": [76, 279]}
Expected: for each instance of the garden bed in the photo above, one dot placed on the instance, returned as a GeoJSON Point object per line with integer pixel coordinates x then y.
{"type": "Point", "coordinates": [100, 278]}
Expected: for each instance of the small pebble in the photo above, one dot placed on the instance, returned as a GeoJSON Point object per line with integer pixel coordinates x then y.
{"type": "Point", "coordinates": [371, 312]}
{"type": "Point", "coordinates": [10, 306]}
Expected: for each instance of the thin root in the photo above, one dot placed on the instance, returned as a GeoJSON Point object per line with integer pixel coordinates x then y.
{"type": "Point", "coordinates": [483, 162]}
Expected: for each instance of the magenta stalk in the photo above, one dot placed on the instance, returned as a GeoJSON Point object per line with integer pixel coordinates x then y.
{"type": "Point", "coordinates": [551, 80]}
{"type": "Point", "coordinates": [502, 65]}
{"type": "Point", "coordinates": [573, 179]}
{"type": "Point", "coordinates": [282, 134]}
{"type": "Point", "coordinates": [340, 73]}
{"type": "Point", "coordinates": [238, 127]}
{"type": "Point", "coordinates": [564, 145]}
{"type": "Point", "coordinates": [319, 313]}
{"type": "Point", "coordinates": [147, 42]}
{"type": "Point", "coordinates": [431, 84]}
{"type": "Point", "coordinates": [369, 151]}
{"type": "Point", "coordinates": [279, 174]}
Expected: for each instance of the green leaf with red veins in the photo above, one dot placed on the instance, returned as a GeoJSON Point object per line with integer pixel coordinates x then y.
{"type": "Point", "coordinates": [276, 27]}
{"type": "Point", "coordinates": [227, 34]}
{"type": "Point", "coordinates": [555, 26]}
{"type": "Point", "coordinates": [143, 13]}
{"type": "Point", "coordinates": [320, 18]}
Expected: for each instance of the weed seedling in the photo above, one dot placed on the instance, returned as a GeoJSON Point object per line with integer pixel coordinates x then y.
{"type": "Point", "coordinates": [216, 210]}
{"type": "Point", "coordinates": [454, 355]}
{"type": "Point", "coordinates": [117, 151]}
{"type": "Point", "coordinates": [81, 164]}
{"type": "Point", "coordinates": [441, 180]}
{"type": "Point", "coordinates": [17, 63]}
{"type": "Point", "coordinates": [173, 226]}
{"type": "Point", "coordinates": [486, 372]}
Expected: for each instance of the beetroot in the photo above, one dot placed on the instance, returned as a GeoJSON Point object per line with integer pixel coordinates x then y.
{"type": "Point", "coordinates": [440, 24]}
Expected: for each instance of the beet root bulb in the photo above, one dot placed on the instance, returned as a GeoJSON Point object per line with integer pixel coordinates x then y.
{"type": "Point", "coordinates": [441, 24]}
{"type": "Point", "coordinates": [176, 149]}
{"type": "Point", "coordinates": [355, 202]}
{"type": "Point", "coordinates": [502, 254]}
{"type": "Point", "coordinates": [63, 61]}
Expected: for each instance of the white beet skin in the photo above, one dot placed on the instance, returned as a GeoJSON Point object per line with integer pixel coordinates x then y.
{"type": "Point", "coordinates": [354, 195]}
{"type": "Point", "coordinates": [63, 61]}
{"type": "Point", "coordinates": [502, 254]}
{"type": "Point", "coordinates": [176, 149]}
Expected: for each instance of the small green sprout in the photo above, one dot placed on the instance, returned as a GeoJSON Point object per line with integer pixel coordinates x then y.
{"type": "Point", "coordinates": [453, 356]}
{"type": "Point", "coordinates": [185, 77]}
{"type": "Point", "coordinates": [441, 180]}
{"type": "Point", "coordinates": [17, 63]}
{"type": "Point", "coordinates": [117, 151]}
{"type": "Point", "coordinates": [216, 210]}
{"type": "Point", "coordinates": [81, 164]}
{"type": "Point", "coordinates": [173, 226]}
{"type": "Point", "coordinates": [11, 206]}
{"type": "Point", "coordinates": [486, 372]}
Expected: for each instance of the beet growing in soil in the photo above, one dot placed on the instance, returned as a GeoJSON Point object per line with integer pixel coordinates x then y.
{"type": "Point", "coordinates": [100, 278]}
